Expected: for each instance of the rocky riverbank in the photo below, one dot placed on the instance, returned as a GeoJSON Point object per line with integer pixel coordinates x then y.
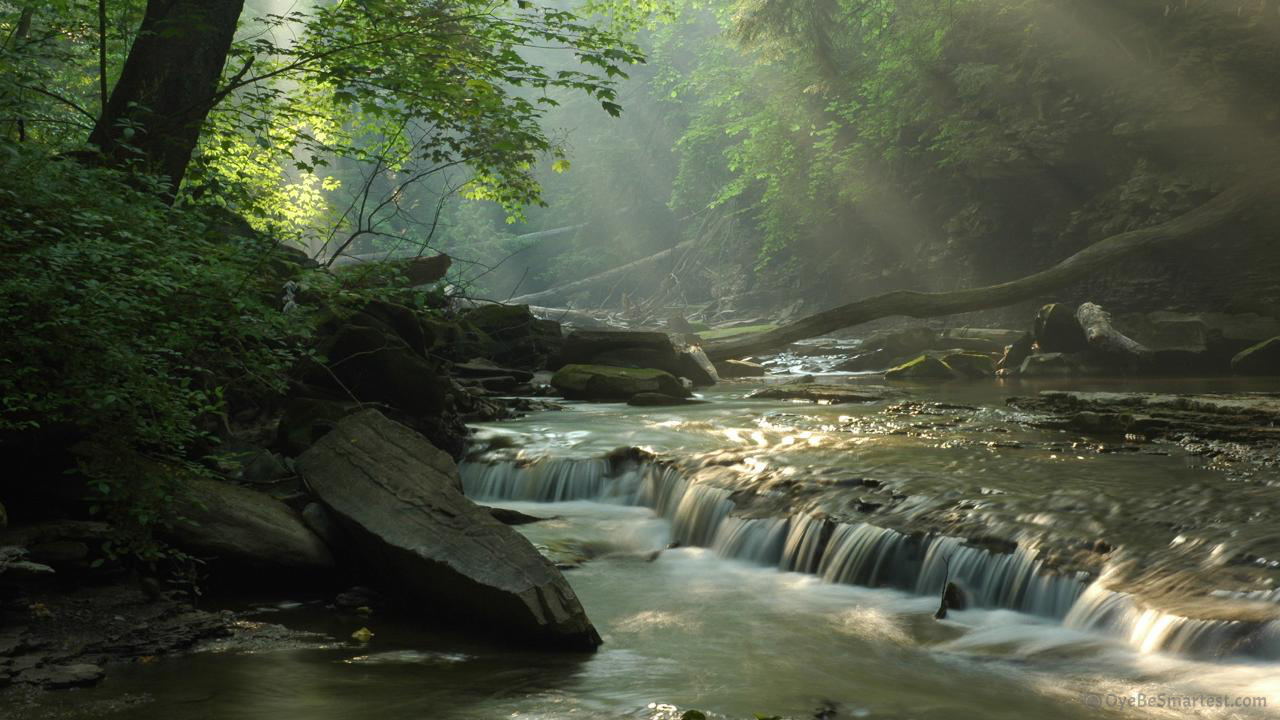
{"type": "Point", "coordinates": [350, 480]}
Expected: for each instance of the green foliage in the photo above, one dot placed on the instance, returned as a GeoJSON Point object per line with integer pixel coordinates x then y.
{"type": "Point", "coordinates": [127, 321]}
{"type": "Point", "coordinates": [893, 129]}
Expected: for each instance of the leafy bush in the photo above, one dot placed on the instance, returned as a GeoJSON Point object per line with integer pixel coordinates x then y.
{"type": "Point", "coordinates": [128, 322]}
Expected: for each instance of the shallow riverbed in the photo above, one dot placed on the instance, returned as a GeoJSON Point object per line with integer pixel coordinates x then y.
{"type": "Point", "coordinates": [721, 627]}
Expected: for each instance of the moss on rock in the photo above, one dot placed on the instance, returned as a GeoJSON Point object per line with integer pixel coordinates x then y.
{"type": "Point", "coordinates": [604, 382]}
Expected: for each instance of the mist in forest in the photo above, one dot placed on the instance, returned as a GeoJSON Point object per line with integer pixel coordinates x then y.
{"type": "Point", "coordinates": [908, 145]}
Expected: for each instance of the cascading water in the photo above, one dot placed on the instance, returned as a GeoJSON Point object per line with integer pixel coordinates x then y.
{"type": "Point", "coordinates": [1152, 630]}
{"type": "Point", "coordinates": [757, 540]}
{"type": "Point", "coordinates": [866, 555]}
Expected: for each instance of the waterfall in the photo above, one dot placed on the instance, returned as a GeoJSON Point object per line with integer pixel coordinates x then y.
{"type": "Point", "coordinates": [1151, 630]}
{"type": "Point", "coordinates": [757, 540]}
{"type": "Point", "coordinates": [868, 555]}
{"type": "Point", "coordinates": [698, 516]}
{"type": "Point", "coordinates": [544, 479]}
{"type": "Point", "coordinates": [806, 542]}
{"type": "Point", "coordinates": [1015, 580]}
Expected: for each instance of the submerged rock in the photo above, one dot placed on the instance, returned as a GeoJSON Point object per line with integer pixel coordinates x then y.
{"type": "Point", "coordinates": [1261, 359]}
{"type": "Point", "coordinates": [604, 382]}
{"type": "Point", "coordinates": [246, 529]}
{"type": "Point", "coordinates": [647, 399]}
{"type": "Point", "coordinates": [400, 502]}
{"type": "Point", "coordinates": [813, 392]}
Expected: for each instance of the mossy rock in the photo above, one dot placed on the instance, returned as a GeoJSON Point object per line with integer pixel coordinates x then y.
{"type": "Point", "coordinates": [924, 367]}
{"type": "Point", "coordinates": [457, 340]}
{"type": "Point", "coordinates": [1261, 359]}
{"type": "Point", "coordinates": [971, 365]}
{"type": "Point", "coordinates": [604, 382]}
{"type": "Point", "coordinates": [495, 318]}
{"type": "Point", "coordinates": [512, 335]}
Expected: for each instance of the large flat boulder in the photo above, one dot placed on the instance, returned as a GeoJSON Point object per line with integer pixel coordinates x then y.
{"type": "Point", "coordinates": [605, 382]}
{"type": "Point", "coordinates": [621, 348]}
{"type": "Point", "coordinates": [400, 501]}
{"type": "Point", "coordinates": [245, 529]}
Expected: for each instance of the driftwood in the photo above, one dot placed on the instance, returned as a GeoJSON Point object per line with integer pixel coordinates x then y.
{"type": "Point", "coordinates": [1225, 206]}
{"type": "Point", "coordinates": [1103, 338]}
{"type": "Point", "coordinates": [607, 276]}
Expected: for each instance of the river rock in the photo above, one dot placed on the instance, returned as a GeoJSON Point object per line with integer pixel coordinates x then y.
{"type": "Point", "coordinates": [922, 368]}
{"type": "Point", "coordinates": [648, 399]}
{"type": "Point", "coordinates": [655, 350]}
{"type": "Point", "coordinates": [245, 529]}
{"type": "Point", "coordinates": [970, 364]}
{"type": "Point", "coordinates": [1179, 344]}
{"type": "Point", "coordinates": [399, 500]}
{"type": "Point", "coordinates": [899, 343]}
{"type": "Point", "coordinates": [482, 368]}
{"type": "Point", "coordinates": [997, 337]}
{"type": "Point", "coordinates": [57, 677]}
{"type": "Point", "coordinates": [374, 364]}
{"type": "Point", "coordinates": [1058, 331]}
{"type": "Point", "coordinates": [1261, 359]}
{"type": "Point", "coordinates": [513, 336]}
{"type": "Point", "coordinates": [604, 382]}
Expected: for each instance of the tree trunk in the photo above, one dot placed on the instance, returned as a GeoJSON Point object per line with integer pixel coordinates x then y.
{"type": "Point", "coordinates": [168, 85]}
{"type": "Point", "coordinates": [1226, 206]}
{"type": "Point", "coordinates": [614, 275]}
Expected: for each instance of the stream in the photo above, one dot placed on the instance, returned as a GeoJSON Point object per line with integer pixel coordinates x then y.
{"type": "Point", "coordinates": [779, 601]}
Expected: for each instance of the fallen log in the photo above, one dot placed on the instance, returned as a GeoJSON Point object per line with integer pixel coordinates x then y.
{"type": "Point", "coordinates": [1223, 207]}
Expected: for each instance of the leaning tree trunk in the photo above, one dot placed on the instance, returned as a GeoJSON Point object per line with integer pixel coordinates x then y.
{"type": "Point", "coordinates": [1222, 208]}
{"type": "Point", "coordinates": [614, 275]}
{"type": "Point", "coordinates": [168, 85]}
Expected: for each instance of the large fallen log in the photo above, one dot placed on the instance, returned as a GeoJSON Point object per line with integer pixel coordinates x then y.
{"type": "Point", "coordinates": [1223, 207]}
{"type": "Point", "coordinates": [613, 275]}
